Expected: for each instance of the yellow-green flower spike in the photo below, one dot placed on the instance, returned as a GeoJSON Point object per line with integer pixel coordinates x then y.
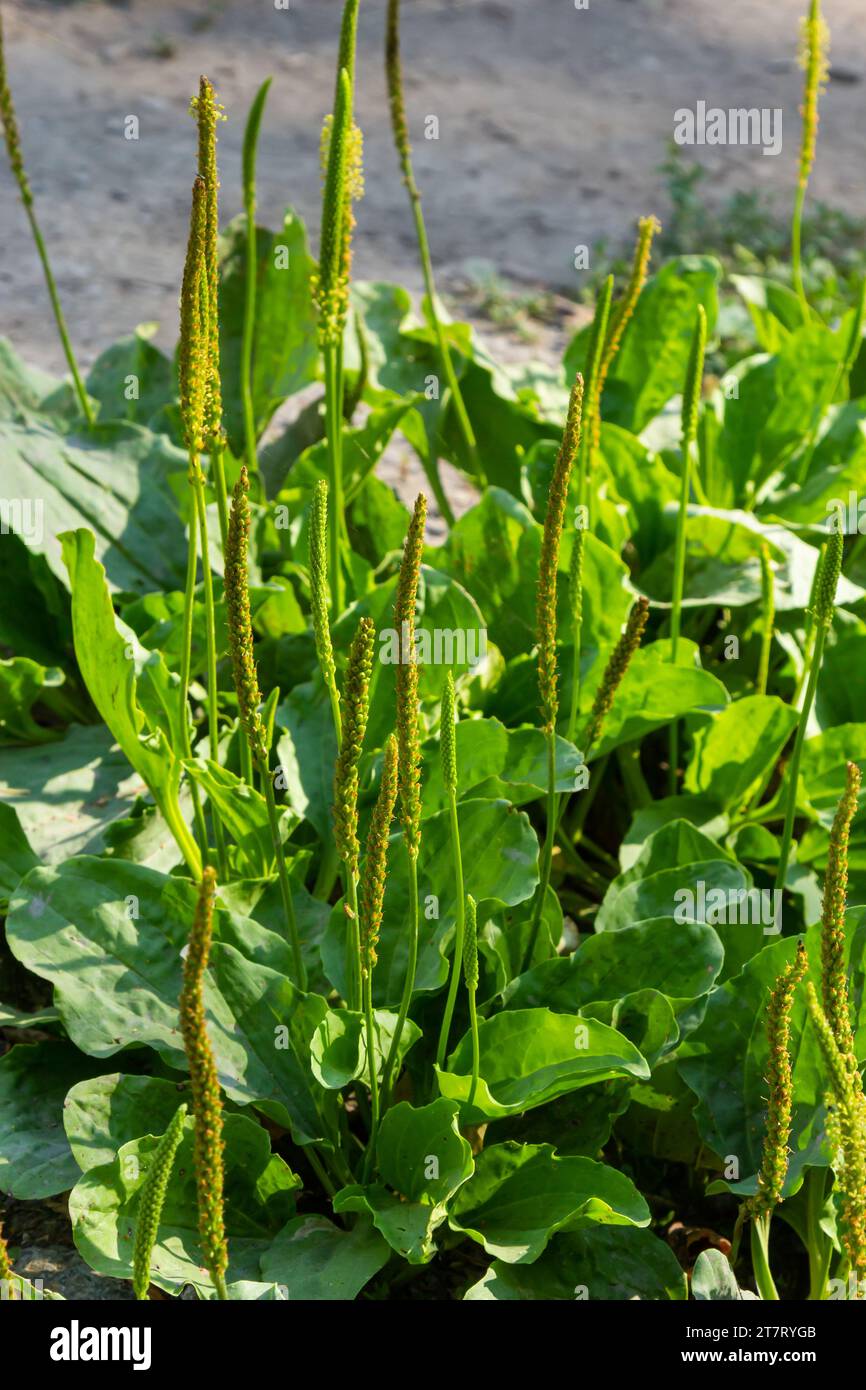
{"type": "Point", "coordinates": [151, 1199]}
{"type": "Point", "coordinates": [617, 667]}
{"type": "Point", "coordinates": [331, 288]}
{"type": "Point", "coordinates": [828, 580]}
{"type": "Point", "coordinates": [10, 129]}
{"type": "Point", "coordinates": [408, 735]}
{"type": "Point", "coordinates": [814, 52]}
{"type": "Point", "coordinates": [208, 112]}
{"type": "Point", "coordinates": [774, 1158]}
{"type": "Point", "coordinates": [470, 944]}
{"type": "Point", "coordinates": [356, 707]}
{"type": "Point", "coordinates": [846, 1134]}
{"type": "Point", "coordinates": [620, 315]}
{"type": "Point", "coordinates": [239, 621]}
{"type": "Point", "coordinates": [396, 101]}
{"type": "Point", "coordinates": [834, 978]}
{"type": "Point", "coordinates": [319, 582]}
{"type": "Point", "coordinates": [205, 1087]}
{"type": "Point", "coordinates": [193, 347]}
{"type": "Point", "coordinates": [545, 607]}
{"type": "Point", "coordinates": [376, 861]}
{"type": "Point", "coordinates": [448, 736]}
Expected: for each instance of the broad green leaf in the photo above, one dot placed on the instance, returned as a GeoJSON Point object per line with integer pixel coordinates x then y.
{"type": "Point", "coordinates": [24, 683]}
{"type": "Point", "coordinates": [104, 1112]}
{"type": "Point", "coordinates": [529, 1056]}
{"type": "Point", "coordinates": [423, 1158]}
{"type": "Point", "coordinates": [16, 856]}
{"type": "Point", "coordinates": [103, 1208]}
{"type": "Point", "coordinates": [339, 1046]}
{"type": "Point", "coordinates": [593, 1263]}
{"type": "Point", "coordinates": [732, 754]}
{"type": "Point", "coordinates": [713, 1278]}
{"type": "Point", "coordinates": [133, 380]}
{"type": "Point", "coordinates": [242, 810]}
{"type": "Point", "coordinates": [35, 1159]}
{"type": "Point", "coordinates": [315, 1260]}
{"type": "Point", "coordinates": [520, 1195]}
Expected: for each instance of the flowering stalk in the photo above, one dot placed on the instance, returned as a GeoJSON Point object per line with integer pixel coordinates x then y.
{"type": "Point", "coordinates": [205, 1088]}
{"type": "Point", "coordinates": [822, 617]}
{"type": "Point", "coordinates": [319, 598]}
{"type": "Point", "coordinates": [249, 698]}
{"type": "Point", "coordinates": [151, 1200]}
{"type": "Point", "coordinates": [251, 139]}
{"type": "Point", "coordinates": [834, 976]}
{"type": "Point", "coordinates": [400, 128]}
{"type": "Point", "coordinates": [618, 664]}
{"type": "Point", "coordinates": [16, 163]}
{"type": "Point", "coordinates": [619, 318]}
{"type": "Point", "coordinates": [545, 610]}
{"type": "Point", "coordinates": [356, 693]}
{"type": "Point", "coordinates": [372, 899]}
{"type": "Point", "coordinates": [448, 754]}
{"type": "Point", "coordinates": [409, 753]}
{"type": "Point", "coordinates": [208, 112]}
{"type": "Point", "coordinates": [814, 47]}
{"type": "Point", "coordinates": [470, 975]}
{"type": "Point", "coordinates": [768, 616]}
{"type": "Point", "coordinates": [774, 1159]}
{"type": "Point", "coordinates": [691, 403]}
{"type": "Point", "coordinates": [593, 384]}
{"type": "Point", "coordinates": [846, 1131]}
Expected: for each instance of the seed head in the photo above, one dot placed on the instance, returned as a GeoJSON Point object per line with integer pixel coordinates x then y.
{"type": "Point", "coordinates": [549, 562]}
{"type": "Point", "coordinates": [447, 736]}
{"type": "Point", "coordinates": [827, 581]}
{"type": "Point", "coordinates": [408, 735]}
{"type": "Point", "coordinates": [151, 1199]}
{"type": "Point", "coordinates": [774, 1159]}
{"type": "Point", "coordinates": [331, 286]}
{"type": "Point", "coordinates": [208, 112]}
{"type": "Point", "coordinates": [834, 978]}
{"type": "Point", "coordinates": [356, 707]}
{"type": "Point", "coordinates": [470, 945]}
{"type": "Point", "coordinates": [372, 892]}
{"type": "Point", "coordinates": [240, 627]}
{"type": "Point", "coordinates": [319, 581]}
{"type": "Point", "coordinates": [193, 361]}
{"type": "Point", "coordinates": [205, 1088]}
{"type": "Point", "coordinates": [617, 667]}
{"type": "Point", "coordinates": [394, 77]}
{"type": "Point", "coordinates": [814, 60]}
{"type": "Point", "coordinates": [619, 317]}
{"type": "Point", "coordinates": [10, 129]}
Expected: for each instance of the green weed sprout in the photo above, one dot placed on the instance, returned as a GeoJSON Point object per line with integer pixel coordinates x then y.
{"type": "Point", "coordinates": [16, 163]}
{"type": "Point", "coordinates": [823, 608]}
{"type": "Point", "coordinates": [246, 682]}
{"type": "Point", "coordinates": [814, 48]}
{"type": "Point", "coordinates": [691, 404]}
{"type": "Point", "coordinates": [448, 755]}
{"type": "Point", "coordinates": [545, 619]}
{"type": "Point", "coordinates": [400, 128]}
{"type": "Point", "coordinates": [356, 708]}
{"type": "Point", "coordinates": [251, 140]}
{"type": "Point", "coordinates": [151, 1200]}
{"type": "Point", "coordinates": [371, 901]}
{"type": "Point", "coordinates": [206, 1097]}
{"type": "Point", "coordinates": [409, 750]}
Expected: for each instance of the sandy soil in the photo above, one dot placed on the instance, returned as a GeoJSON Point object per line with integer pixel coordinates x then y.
{"type": "Point", "coordinates": [552, 124]}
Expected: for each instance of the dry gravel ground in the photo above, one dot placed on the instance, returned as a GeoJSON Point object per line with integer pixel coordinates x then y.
{"type": "Point", "coordinates": [552, 124]}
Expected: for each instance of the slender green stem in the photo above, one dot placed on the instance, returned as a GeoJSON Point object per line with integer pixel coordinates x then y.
{"type": "Point", "coordinates": [353, 944]}
{"type": "Point", "coordinates": [676, 610]}
{"type": "Point", "coordinates": [459, 930]}
{"type": "Point", "coordinates": [476, 1049]}
{"type": "Point", "coordinates": [218, 473]}
{"type": "Point", "coordinates": [283, 875]}
{"type": "Point", "coordinates": [81, 393]}
{"type": "Point", "coordinates": [768, 613]}
{"type": "Point", "coordinates": [251, 137]}
{"type": "Point", "coordinates": [796, 249]}
{"type": "Point", "coordinates": [321, 1171]}
{"type": "Point", "coordinates": [546, 853]}
{"type": "Point", "coordinates": [246, 757]}
{"type": "Point", "coordinates": [222, 1292]}
{"type": "Point", "coordinates": [409, 985]}
{"type": "Point", "coordinates": [334, 431]}
{"type": "Point", "coordinates": [760, 1242]}
{"type": "Point", "coordinates": [212, 692]}
{"type": "Point", "coordinates": [818, 1243]}
{"type": "Point", "coordinates": [168, 805]}
{"type": "Point", "coordinates": [367, 989]}
{"type": "Point", "coordinates": [794, 766]}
